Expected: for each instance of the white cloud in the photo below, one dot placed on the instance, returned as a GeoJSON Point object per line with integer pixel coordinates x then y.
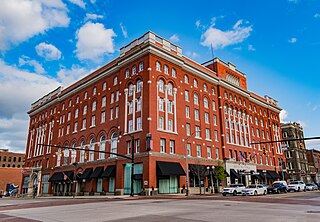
{"type": "Point", "coordinates": [48, 51]}
{"type": "Point", "coordinates": [317, 15]}
{"type": "Point", "coordinates": [283, 116]}
{"type": "Point", "coordinates": [124, 30]}
{"type": "Point", "coordinates": [79, 3]}
{"type": "Point", "coordinates": [251, 48]}
{"type": "Point", "coordinates": [198, 23]}
{"type": "Point", "coordinates": [69, 76]}
{"type": "Point", "coordinates": [92, 17]}
{"type": "Point", "coordinates": [220, 39]}
{"type": "Point", "coordinates": [94, 41]}
{"type": "Point", "coordinates": [37, 67]}
{"type": "Point", "coordinates": [93, 1]}
{"type": "Point", "coordinates": [292, 40]}
{"type": "Point", "coordinates": [18, 89]}
{"type": "Point", "coordinates": [23, 19]}
{"type": "Point", "coordinates": [174, 38]}
{"type": "Point", "coordinates": [192, 55]}
{"type": "Point", "coordinates": [313, 144]}
{"type": "Point", "coordinates": [237, 48]}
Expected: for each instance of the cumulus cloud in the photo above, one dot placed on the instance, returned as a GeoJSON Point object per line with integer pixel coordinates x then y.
{"type": "Point", "coordinates": [26, 61]}
{"type": "Point", "coordinates": [292, 40]}
{"type": "Point", "coordinates": [79, 3]}
{"type": "Point", "coordinates": [219, 39]}
{"type": "Point", "coordinates": [48, 51]}
{"type": "Point", "coordinates": [283, 116]}
{"type": "Point", "coordinates": [68, 76]}
{"type": "Point", "coordinates": [13, 115]}
{"type": "Point", "coordinates": [94, 41]}
{"type": "Point", "coordinates": [174, 38]}
{"type": "Point", "coordinates": [23, 19]}
{"type": "Point", "coordinates": [124, 30]}
{"type": "Point", "coordinates": [313, 144]}
{"type": "Point", "coordinates": [93, 17]}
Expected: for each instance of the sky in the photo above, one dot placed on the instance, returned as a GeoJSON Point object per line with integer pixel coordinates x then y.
{"type": "Point", "coordinates": [48, 43]}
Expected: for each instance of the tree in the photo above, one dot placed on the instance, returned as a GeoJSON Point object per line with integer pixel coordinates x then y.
{"type": "Point", "coordinates": [200, 171]}
{"type": "Point", "coordinates": [219, 173]}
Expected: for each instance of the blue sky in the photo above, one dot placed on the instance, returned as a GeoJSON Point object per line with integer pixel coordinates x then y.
{"type": "Point", "coordinates": [44, 44]}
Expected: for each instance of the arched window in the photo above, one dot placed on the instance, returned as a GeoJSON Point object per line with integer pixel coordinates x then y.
{"type": "Point", "coordinates": [94, 92]}
{"type": "Point", "coordinates": [94, 105]}
{"type": "Point", "coordinates": [205, 88]}
{"type": "Point", "coordinates": [139, 85]}
{"type": "Point", "coordinates": [166, 69]}
{"type": "Point", "coordinates": [130, 89]}
{"type": "Point", "coordinates": [104, 86]}
{"type": "Point", "coordinates": [127, 73]}
{"type": "Point", "coordinates": [82, 152]}
{"type": "Point", "coordinates": [84, 110]}
{"type": "Point", "coordinates": [196, 99]}
{"type": "Point", "coordinates": [85, 95]}
{"type": "Point", "coordinates": [114, 144]}
{"type": "Point", "coordinates": [205, 103]}
{"type": "Point", "coordinates": [91, 152]}
{"type": "Point", "coordinates": [134, 70]}
{"type": "Point", "coordinates": [212, 91]}
{"type": "Point", "coordinates": [73, 153]}
{"type": "Point", "coordinates": [140, 66]}
{"type": "Point", "coordinates": [102, 147]}
{"type": "Point", "coordinates": [170, 88]}
{"type": "Point", "coordinates": [158, 66]}
{"type": "Point", "coordinates": [186, 79]}
{"type": "Point", "coordinates": [195, 83]}
{"type": "Point", "coordinates": [173, 72]}
{"type": "Point", "coordinates": [161, 85]}
{"type": "Point", "coordinates": [225, 94]}
{"type": "Point", "coordinates": [115, 81]}
{"type": "Point", "coordinates": [76, 113]}
{"type": "Point", "coordinates": [230, 96]}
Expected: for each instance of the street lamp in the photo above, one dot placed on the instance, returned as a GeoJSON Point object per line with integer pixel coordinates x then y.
{"type": "Point", "coordinates": [211, 169]}
{"type": "Point", "coordinates": [187, 165]}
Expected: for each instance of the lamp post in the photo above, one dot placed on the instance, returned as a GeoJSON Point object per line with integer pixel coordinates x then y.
{"type": "Point", "coordinates": [211, 169]}
{"type": "Point", "coordinates": [75, 172]}
{"type": "Point", "coordinates": [187, 165]}
{"type": "Point", "coordinates": [265, 176]}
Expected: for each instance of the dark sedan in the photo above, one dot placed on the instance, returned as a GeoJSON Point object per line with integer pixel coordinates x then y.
{"type": "Point", "coordinates": [277, 188]}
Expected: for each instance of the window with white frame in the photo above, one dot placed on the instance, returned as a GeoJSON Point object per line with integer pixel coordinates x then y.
{"type": "Point", "coordinates": [84, 124]}
{"type": "Point", "coordinates": [195, 99]}
{"type": "Point", "coordinates": [205, 88]}
{"type": "Point", "coordinates": [134, 70]}
{"type": "Point", "coordinates": [76, 113]}
{"type": "Point", "coordinates": [73, 154]}
{"type": "Point", "coordinates": [212, 91]}
{"type": "Point", "coordinates": [213, 105]}
{"type": "Point", "coordinates": [130, 126]}
{"type": "Point", "coordinates": [129, 147]}
{"type": "Point", "coordinates": [162, 145]}
{"type": "Point", "coordinates": [69, 116]}
{"type": "Point", "coordinates": [94, 91]}
{"type": "Point", "coordinates": [187, 111]}
{"type": "Point", "coordinates": [173, 72]}
{"type": "Point", "coordinates": [115, 81]}
{"type": "Point", "coordinates": [103, 116]}
{"type": "Point", "coordinates": [195, 83]}
{"type": "Point", "coordinates": [139, 85]}
{"type": "Point", "coordinates": [85, 95]}
{"type": "Point", "coordinates": [91, 152]}
{"type": "Point", "coordinates": [138, 104]}
{"type": "Point", "coordinates": [170, 105]}
{"type": "Point", "coordinates": [209, 152]}
{"type": "Point", "coordinates": [85, 110]}
{"type": "Point", "coordinates": [186, 79]}
{"type": "Point", "coordinates": [172, 146]}
{"type": "Point", "coordinates": [114, 144]}
{"type": "Point", "coordinates": [103, 101]}
{"type": "Point", "coordinates": [104, 86]}
{"type": "Point", "coordinates": [161, 85]}
{"type": "Point", "coordinates": [137, 145]}
{"type": "Point", "coordinates": [214, 120]}
{"type": "Point", "coordinates": [161, 104]}
{"type": "Point", "coordinates": [93, 121]}
{"type": "Point", "coordinates": [77, 99]}
{"type": "Point", "coordinates": [130, 89]}
{"type": "Point", "coordinates": [198, 150]}
{"type": "Point", "coordinates": [68, 129]}
{"type": "Point", "coordinates": [94, 106]}
{"type": "Point", "coordinates": [139, 123]}
{"type": "Point", "coordinates": [217, 153]}
{"type": "Point", "coordinates": [117, 112]}
{"type": "Point", "coordinates": [158, 66]}
{"type": "Point", "coordinates": [186, 93]}
{"type": "Point", "coordinates": [170, 125]}
{"type": "Point", "coordinates": [111, 113]}
{"type": "Point", "coordinates": [227, 138]}
{"type": "Point", "coordinates": [82, 152]}
{"type": "Point", "coordinates": [196, 115]}
{"type": "Point", "coordinates": [140, 66]}
{"type": "Point", "coordinates": [188, 149]}
{"type": "Point", "coordinates": [117, 96]}
{"type": "Point", "coordinates": [166, 69]}
{"type": "Point", "coordinates": [161, 123]}
{"type": "Point", "coordinates": [188, 129]}
{"type": "Point", "coordinates": [206, 117]}
{"type": "Point", "coordinates": [198, 131]}
{"type": "Point", "coordinates": [112, 98]}
{"type": "Point", "coordinates": [75, 127]}
{"type": "Point", "coordinates": [130, 107]}
{"type": "Point", "coordinates": [207, 134]}
{"type": "Point", "coordinates": [170, 88]}
{"type": "Point", "coordinates": [102, 146]}
{"type": "Point", "coordinates": [205, 103]}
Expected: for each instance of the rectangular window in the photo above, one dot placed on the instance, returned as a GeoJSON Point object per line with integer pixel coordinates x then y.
{"type": "Point", "coordinates": [128, 147]}
{"type": "Point", "coordinates": [198, 131]}
{"type": "Point", "coordinates": [209, 152]}
{"type": "Point", "coordinates": [69, 116]}
{"type": "Point", "coordinates": [198, 150]}
{"type": "Point", "coordinates": [137, 145]}
{"type": "Point", "coordinates": [130, 126]}
{"type": "Point", "coordinates": [214, 105]}
{"type": "Point", "coordinates": [215, 135]}
{"type": "Point", "coordinates": [103, 102]}
{"type": "Point", "coordinates": [217, 153]}
{"type": "Point", "coordinates": [170, 125]}
{"type": "Point", "coordinates": [93, 120]}
{"type": "Point", "coordinates": [187, 112]}
{"type": "Point", "coordinates": [75, 127]}
{"type": "Point", "coordinates": [186, 93]}
{"type": "Point", "coordinates": [112, 98]}
{"type": "Point", "coordinates": [189, 149]}
{"type": "Point", "coordinates": [117, 96]}
{"type": "Point", "coordinates": [139, 124]}
{"type": "Point", "coordinates": [111, 113]}
{"type": "Point", "coordinates": [172, 145]}
{"type": "Point", "coordinates": [130, 107]}
{"type": "Point", "coordinates": [188, 129]}
{"type": "Point", "coordinates": [162, 145]}
{"type": "Point", "coordinates": [206, 117]}
{"type": "Point", "coordinates": [214, 120]}
{"type": "Point", "coordinates": [161, 101]}
{"type": "Point", "coordinates": [103, 117]}
{"type": "Point", "coordinates": [68, 129]}
{"type": "Point", "coordinates": [207, 134]}
{"type": "Point", "coordinates": [196, 114]}
{"type": "Point", "coordinates": [84, 123]}
{"type": "Point", "coordinates": [169, 104]}
{"type": "Point", "coordinates": [138, 104]}
{"type": "Point", "coordinates": [161, 123]}
{"type": "Point", "coordinates": [117, 112]}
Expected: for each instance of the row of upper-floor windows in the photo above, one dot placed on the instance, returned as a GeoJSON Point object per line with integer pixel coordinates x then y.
{"type": "Point", "coordinates": [13, 165]}
{"type": "Point", "coordinates": [10, 158]}
{"type": "Point", "coordinates": [197, 116]}
{"type": "Point", "coordinates": [248, 157]}
{"type": "Point", "coordinates": [166, 69]}
{"type": "Point", "coordinates": [196, 100]}
{"type": "Point", "coordinates": [134, 69]}
{"type": "Point", "coordinates": [197, 133]}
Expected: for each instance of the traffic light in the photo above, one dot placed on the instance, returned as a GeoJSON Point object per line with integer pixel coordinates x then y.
{"type": "Point", "coordinates": [85, 156]}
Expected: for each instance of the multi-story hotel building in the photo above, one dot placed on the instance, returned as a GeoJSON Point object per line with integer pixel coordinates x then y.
{"type": "Point", "coordinates": [178, 112]}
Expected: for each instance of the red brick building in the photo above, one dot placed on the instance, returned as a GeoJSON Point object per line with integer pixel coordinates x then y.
{"type": "Point", "coordinates": [174, 107]}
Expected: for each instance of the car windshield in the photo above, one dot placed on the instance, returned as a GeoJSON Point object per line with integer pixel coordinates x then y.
{"type": "Point", "coordinates": [309, 184]}
{"type": "Point", "coordinates": [276, 185]}
{"type": "Point", "coordinates": [252, 186]}
{"type": "Point", "coordinates": [294, 183]}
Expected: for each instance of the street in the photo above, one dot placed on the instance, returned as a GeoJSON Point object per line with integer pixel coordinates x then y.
{"type": "Point", "coordinates": [302, 206]}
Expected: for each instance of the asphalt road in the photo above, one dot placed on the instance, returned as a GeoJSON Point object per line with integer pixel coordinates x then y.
{"type": "Point", "coordinates": [265, 208]}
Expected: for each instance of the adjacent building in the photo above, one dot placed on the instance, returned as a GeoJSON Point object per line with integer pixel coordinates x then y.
{"type": "Point", "coordinates": [173, 110]}
{"type": "Point", "coordinates": [296, 155]}
{"type": "Point", "coordinates": [11, 159]}
{"type": "Point", "coordinates": [313, 157]}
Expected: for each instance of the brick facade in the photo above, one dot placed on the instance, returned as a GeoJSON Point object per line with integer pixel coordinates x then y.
{"type": "Point", "coordinates": [152, 89]}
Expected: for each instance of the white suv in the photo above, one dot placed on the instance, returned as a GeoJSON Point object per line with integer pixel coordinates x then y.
{"type": "Point", "coordinates": [297, 186]}
{"type": "Point", "coordinates": [233, 189]}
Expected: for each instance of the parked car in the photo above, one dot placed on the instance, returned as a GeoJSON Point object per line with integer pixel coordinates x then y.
{"type": "Point", "coordinates": [254, 190]}
{"type": "Point", "coordinates": [297, 186]}
{"type": "Point", "coordinates": [233, 189]}
{"type": "Point", "coordinates": [277, 188]}
{"type": "Point", "coordinates": [311, 186]}
{"type": "Point", "coordinates": [281, 181]}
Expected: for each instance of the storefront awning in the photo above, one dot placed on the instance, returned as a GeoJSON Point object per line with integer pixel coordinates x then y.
{"type": "Point", "coordinates": [86, 174]}
{"type": "Point", "coordinates": [56, 177]}
{"type": "Point", "coordinates": [109, 172]}
{"type": "Point", "coordinates": [285, 174]}
{"type": "Point", "coordinates": [169, 168]}
{"type": "Point", "coordinates": [235, 174]}
{"type": "Point", "coordinates": [97, 172]}
{"type": "Point", "coordinates": [273, 175]}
